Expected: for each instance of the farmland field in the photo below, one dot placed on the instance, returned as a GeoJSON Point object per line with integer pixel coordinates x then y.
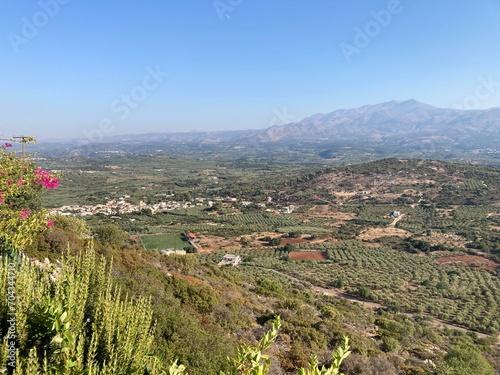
{"type": "Point", "coordinates": [440, 256]}
{"type": "Point", "coordinates": [307, 255]}
{"type": "Point", "coordinates": [163, 241]}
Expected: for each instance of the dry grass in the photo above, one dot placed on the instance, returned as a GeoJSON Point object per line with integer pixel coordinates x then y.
{"type": "Point", "coordinates": [470, 261]}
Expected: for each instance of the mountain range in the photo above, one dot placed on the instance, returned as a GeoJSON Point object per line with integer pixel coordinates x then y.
{"type": "Point", "coordinates": [407, 123]}
{"type": "Point", "coordinates": [390, 121]}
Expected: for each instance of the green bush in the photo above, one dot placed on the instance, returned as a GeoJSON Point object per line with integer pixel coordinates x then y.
{"type": "Point", "coordinates": [390, 344]}
{"type": "Point", "coordinates": [69, 319]}
{"type": "Point", "coordinates": [463, 360]}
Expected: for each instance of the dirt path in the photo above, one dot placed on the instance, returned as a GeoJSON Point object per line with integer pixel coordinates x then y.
{"type": "Point", "coordinates": [337, 293]}
{"type": "Point", "coordinates": [395, 221]}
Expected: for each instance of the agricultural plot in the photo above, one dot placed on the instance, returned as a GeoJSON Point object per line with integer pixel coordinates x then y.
{"type": "Point", "coordinates": [164, 241]}
{"type": "Point", "coordinates": [264, 220]}
{"type": "Point", "coordinates": [307, 255]}
{"type": "Point", "coordinates": [454, 292]}
{"type": "Point", "coordinates": [446, 206]}
{"type": "Point", "coordinates": [474, 212]}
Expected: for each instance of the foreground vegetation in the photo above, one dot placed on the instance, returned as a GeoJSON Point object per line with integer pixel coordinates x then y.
{"type": "Point", "coordinates": [69, 318]}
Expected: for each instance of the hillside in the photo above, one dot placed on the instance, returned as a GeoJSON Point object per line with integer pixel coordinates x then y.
{"type": "Point", "coordinates": [432, 226]}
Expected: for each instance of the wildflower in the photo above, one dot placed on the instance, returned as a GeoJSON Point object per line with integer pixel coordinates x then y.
{"type": "Point", "coordinates": [8, 145]}
{"type": "Point", "coordinates": [21, 182]}
{"type": "Point", "coordinates": [9, 182]}
{"type": "Point", "coordinates": [50, 223]}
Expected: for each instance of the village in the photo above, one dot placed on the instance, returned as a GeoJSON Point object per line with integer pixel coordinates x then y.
{"type": "Point", "coordinates": [116, 207]}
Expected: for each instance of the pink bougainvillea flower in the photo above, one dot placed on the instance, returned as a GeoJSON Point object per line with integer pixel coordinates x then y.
{"type": "Point", "coordinates": [50, 223]}
{"type": "Point", "coordinates": [46, 179]}
{"type": "Point", "coordinates": [55, 183]}
{"type": "Point", "coordinates": [8, 145]}
{"type": "Point", "coordinates": [24, 214]}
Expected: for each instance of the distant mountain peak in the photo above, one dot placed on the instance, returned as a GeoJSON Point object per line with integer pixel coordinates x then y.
{"type": "Point", "coordinates": [409, 119]}
{"type": "Point", "coordinates": [396, 106]}
{"type": "Point", "coordinates": [412, 104]}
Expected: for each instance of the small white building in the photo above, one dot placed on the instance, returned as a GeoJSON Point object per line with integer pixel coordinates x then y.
{"type": "Point", "coordinates": [230, 259]}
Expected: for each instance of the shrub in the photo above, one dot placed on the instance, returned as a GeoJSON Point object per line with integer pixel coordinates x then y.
{"type": "Point", "coordinates": [462, 360]}
{"type": "Point", "coordinates": [21, 185]}
{"type": "Point", "coordinates": [69, 319]}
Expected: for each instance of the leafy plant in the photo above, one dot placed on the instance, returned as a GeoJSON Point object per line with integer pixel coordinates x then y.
{"type": "Point", "coordinates": [342, 353]}
{"type": "Point", "coordinates": [250, 360]}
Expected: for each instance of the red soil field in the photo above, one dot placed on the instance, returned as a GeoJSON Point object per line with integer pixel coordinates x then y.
{"type": "Point", "coordinates": [307, 255]}
{"type": "Point", "coordinates": [471, 261]}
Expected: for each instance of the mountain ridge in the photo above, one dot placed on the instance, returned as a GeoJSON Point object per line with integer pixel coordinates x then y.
{"type": "Point", "coordinates": [386, 120]}
{"type": "Point", "coordinates": [408, 122]}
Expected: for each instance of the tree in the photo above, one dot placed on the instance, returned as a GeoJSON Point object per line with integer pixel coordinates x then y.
{"type": "Point", "coordinates": [465, 360]}
{"type": "Point", "coordinates": [111, 235]}
{"type": "Point", "coordinates": [339, 283]}
{"type": "Point", "coordinates": [274, 241]}
{"type": "Point", "coordinates": [294, 234]}
{"type": "Point", "coordinates": [217, 206]}
{"type": "Point", "coordinates": [190, 249]}
{"type": "Point", "coordinates": [244, 241]}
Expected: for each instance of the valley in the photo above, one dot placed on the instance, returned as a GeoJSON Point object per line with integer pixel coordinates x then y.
{"type": "Point", "coordinates": [410, 238]}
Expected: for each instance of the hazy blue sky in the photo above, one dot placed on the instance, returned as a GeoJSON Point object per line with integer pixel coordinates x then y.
{"type": "Point", "coordinates": [86, 68]}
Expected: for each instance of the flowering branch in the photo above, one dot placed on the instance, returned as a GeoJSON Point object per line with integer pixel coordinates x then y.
{"type": "Point", "coordinates": [21, 184]}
